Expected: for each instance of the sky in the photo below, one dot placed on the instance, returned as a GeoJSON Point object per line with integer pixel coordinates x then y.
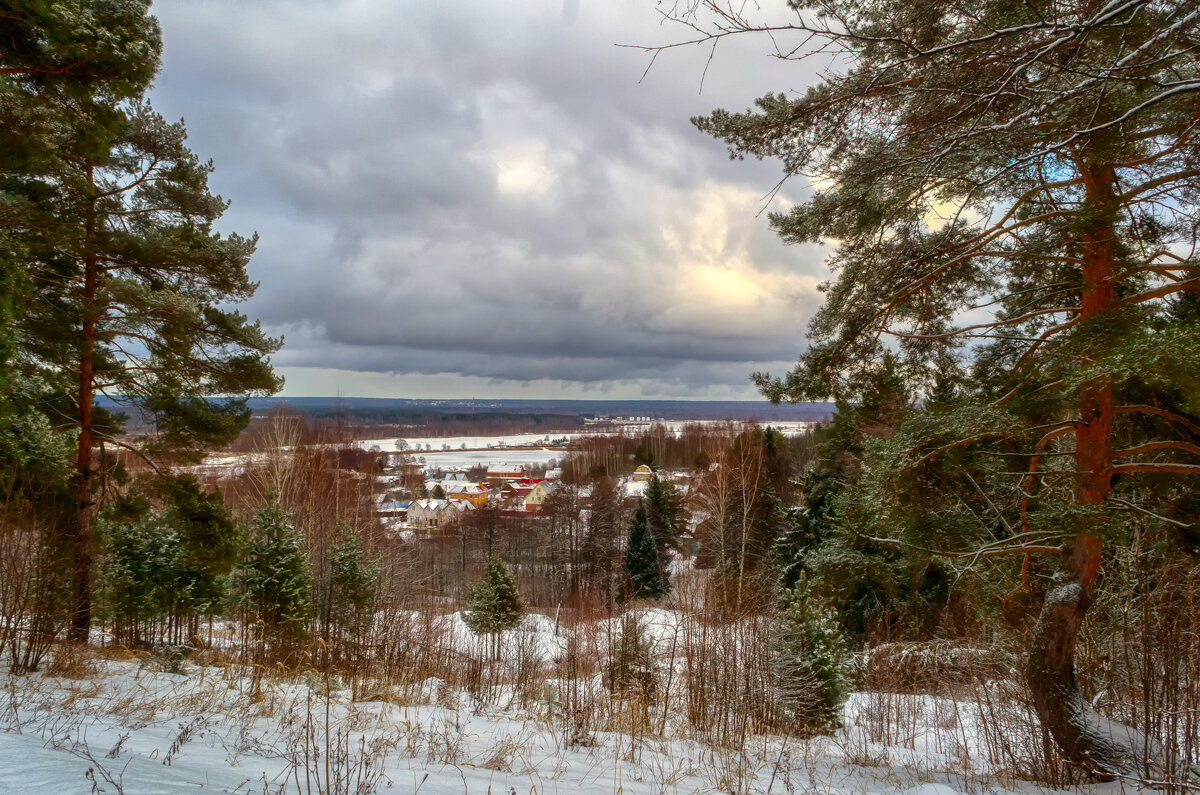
{"type": "Point", "coordinates": [481, 199]}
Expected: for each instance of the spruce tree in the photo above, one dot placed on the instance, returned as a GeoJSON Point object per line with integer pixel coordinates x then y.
{"type": "Point", "coordinates": [810, 666]}
{"type": "Point", "coordinates": [274, 580]}
{"type": "Point", "coordinates": [645, 577]}
{"type": "Point", "coordinates": [210, 543]}
{"type": "Point", "coordinates": [494, 604]}
{"type": "Point", "coordinates": [353, 586]}
{"type": "Point", "coordinates": [140, 578]}
{"type": "Point", "coordinates": [662, 516]}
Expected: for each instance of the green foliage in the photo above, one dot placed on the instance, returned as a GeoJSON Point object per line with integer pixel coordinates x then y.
{"type": "Point", "coordinates": [171, 562]}
{"type": "Point", "coordinates": [32, 449]}
{"type": "Point", "coordinates": [645, 576]}
{"type": "Point", "coordinates": [273, 581]}
{"type": "Point", "coordinates": [882, 501]}
{"type": "Point", "coordinates": [494, 604]}
{"type": "Point", "coordinates": [169, 659]}
{"type": "Point", "coordinates": [353, 583]}
{"type": "Point", "coordinates": [662, 517]}
{"type": "Point", "coordinates": [809, 661]}
{"type": "Point", "coordinates": [140, 577]}
{"type": "Point", "coordinates": [438, 493]}
{"type": "Point", "coordinates": [629, 667]}
{"type": "Point", "coordinates": [211, 538]}
{"type": "Point", "coordinates": [113, 279]}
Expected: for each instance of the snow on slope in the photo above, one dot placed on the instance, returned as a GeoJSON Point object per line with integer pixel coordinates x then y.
{"type": "Point", "coordinates": [132, 730]}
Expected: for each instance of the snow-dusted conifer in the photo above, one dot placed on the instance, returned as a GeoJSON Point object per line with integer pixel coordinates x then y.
{"type": "Point", "coordinates": [645, 576]}
{"type": "Point", "coordinates": [494, 604]}
{"type": "Point", "coordinates": [353, 584]}
{"type": "Point", "coordinates": [811, 666]}
{"type": "Point", "coordinates": [274, 579]}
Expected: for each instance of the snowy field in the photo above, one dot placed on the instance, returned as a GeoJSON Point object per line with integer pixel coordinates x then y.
{"type": "Point", "coordinates": [436, 443]}
{"type": "Point", "coordinates": [118, 726]}
{"type": "Point", "coordinates": [463, 452]}
{"type": "Point", "coordinates": [530, 449]}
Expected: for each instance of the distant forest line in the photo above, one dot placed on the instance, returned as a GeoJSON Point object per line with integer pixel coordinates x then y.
{"type": "Point", "coordinates": [381, 417]}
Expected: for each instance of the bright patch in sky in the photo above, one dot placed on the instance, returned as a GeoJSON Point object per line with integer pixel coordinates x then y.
{"type": "Point", "coordinates": [483, 199]}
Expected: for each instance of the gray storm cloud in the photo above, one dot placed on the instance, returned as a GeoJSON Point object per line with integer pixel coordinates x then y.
{"type": "Point", "coordinates": [488, 191]}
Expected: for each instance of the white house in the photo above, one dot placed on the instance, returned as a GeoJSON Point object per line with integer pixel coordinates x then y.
{"type": "Point", "coordinates": [437, 513]}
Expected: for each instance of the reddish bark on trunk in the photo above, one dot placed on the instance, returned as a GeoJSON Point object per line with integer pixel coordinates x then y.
{"type": "Point", "coordinates": [81, 569]}
{"type": "Point", "coordinates": [1083, 735]}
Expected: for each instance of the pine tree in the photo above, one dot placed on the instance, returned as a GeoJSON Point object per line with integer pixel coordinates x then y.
{"type": "Point", "coordinates": [129, 286]}
{"type": "Point", "coordinates": [494, 604]}
{"type": "Point", "coordinates": [438, 493]}
{"type": "Point", "coordinates": [645, 576]}
{"type": "Point", "coordinates": [1034, 163]}
{"type": "Point", "coordinates": [64, 67]}
{"type": "Point", "coordinates": [274, 580]}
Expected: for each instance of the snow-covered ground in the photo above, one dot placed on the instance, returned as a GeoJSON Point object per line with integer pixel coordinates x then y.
{"type": "Point", "coordinates": [124, 727]}
{"type": "Point", "coordinates": [130, 730]}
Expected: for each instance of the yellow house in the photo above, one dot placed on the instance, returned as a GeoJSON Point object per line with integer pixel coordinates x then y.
{"type": "Point", "coordinates": [643, 472]}
{"type": "Point", "coordinates": [473, 493]}
{"type": "Point", "coordinates": [537, 495]}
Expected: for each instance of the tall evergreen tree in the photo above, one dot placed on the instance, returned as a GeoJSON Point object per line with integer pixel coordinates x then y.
{"type": "Point", "coordinates": [210, 543]}
{"type": "Point", "coordinates": [353, 587]}
{"type": "Point", "coordinates": [58, 60]}
{"type": "Point", "coordinates": [601, 554]}
{"type": "Point", "coordinates": [1035, 164]}
{"type": "Point", "coordinates": [133, 287]}
{"type": "Point", "coordinates": [662, 517]}
{"type": "Point", "coordinates": [645, 575]}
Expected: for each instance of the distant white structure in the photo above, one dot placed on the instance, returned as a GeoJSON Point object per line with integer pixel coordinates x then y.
{"type": "Point", "coordinates": [437, 513]}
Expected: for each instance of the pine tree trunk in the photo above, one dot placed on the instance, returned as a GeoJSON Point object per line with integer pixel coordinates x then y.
{"type": "Point", "coordinates": [1083, 735]}
{"type": "Point", "coordinates": [81, 570]}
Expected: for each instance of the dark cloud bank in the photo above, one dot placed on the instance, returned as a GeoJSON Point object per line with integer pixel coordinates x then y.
{"type": "Point", "coordinates": [481, 198]}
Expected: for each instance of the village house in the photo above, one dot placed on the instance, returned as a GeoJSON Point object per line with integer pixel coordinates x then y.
{"type": "Point", "coordinates": [501, 473]}
{"type": "Point", "coordinates": [392, 509]}
{"type": "Point", "coordinates": [642, 473]}
{"type": "Point", "coordinates": [514, 492]}
{"type": "Point", "coordinates": [433, 514]}
{"type": "Point", "coordinates": [474, 493]}
{"type": "Point", "coordinates": [538, 494]}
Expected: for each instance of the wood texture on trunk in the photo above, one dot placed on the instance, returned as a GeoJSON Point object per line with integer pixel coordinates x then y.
{"type": "Point", "coordinates": [1083, 735]}
{"type": "Point", "coordinates": [81, 565]}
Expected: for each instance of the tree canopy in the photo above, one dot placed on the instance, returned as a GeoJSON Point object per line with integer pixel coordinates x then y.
{"type": "Point", "coordinates": [107, 232]}
{"type": "Point", "coordinates": [1011, 190]}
